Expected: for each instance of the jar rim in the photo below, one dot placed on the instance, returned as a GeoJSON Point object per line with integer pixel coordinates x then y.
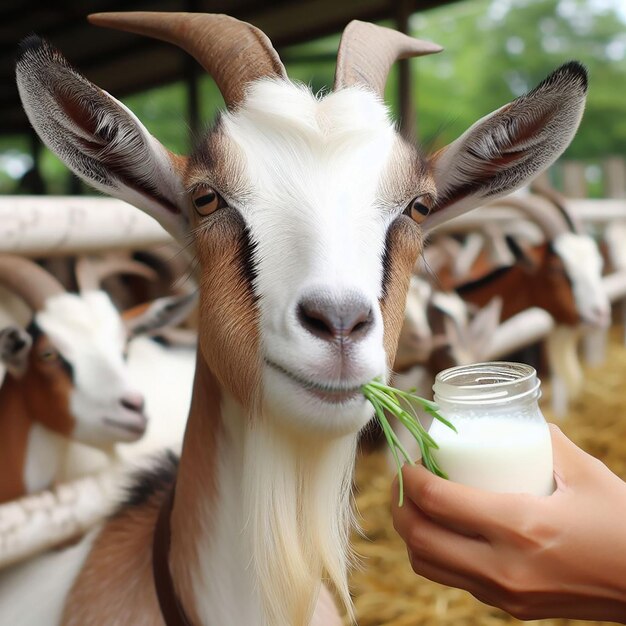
{"type": "Point", "coordinates": [493, 382]}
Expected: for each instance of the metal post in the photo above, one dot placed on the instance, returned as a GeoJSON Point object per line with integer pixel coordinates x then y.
{"type": "Point", "coordinates": [32, 182]}
{"type": "Point", "coordinates": [191, 83]}
{"type": "Point", "coordinates": [193, 98]}
{"type": "Point", "coordinates": [408, 121]}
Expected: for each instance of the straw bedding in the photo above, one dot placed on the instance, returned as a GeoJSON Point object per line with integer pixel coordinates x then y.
{"type": "Point", "coordinates": [387, 592]}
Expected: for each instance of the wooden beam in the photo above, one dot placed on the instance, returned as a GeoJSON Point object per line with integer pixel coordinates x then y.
{"type": "Point", "coordinates": [62, 225]}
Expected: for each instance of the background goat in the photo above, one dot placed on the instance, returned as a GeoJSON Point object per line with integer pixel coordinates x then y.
{"type": "Point", "coordinates": [66, 375]}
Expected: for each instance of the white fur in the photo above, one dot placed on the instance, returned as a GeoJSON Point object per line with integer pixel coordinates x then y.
{"type": "Point", "coordinates": [225, 585]}
{"type": "Point", "coordinates": [165, 377]}
{"type": "Point", "coordinates": [44, 454]}
{"type": "Point", "coordinates": [318, 220]}
{"type": "Point", "coordinates": [583, 264]}
{"type": "Point", "coordinates": [282, 522]}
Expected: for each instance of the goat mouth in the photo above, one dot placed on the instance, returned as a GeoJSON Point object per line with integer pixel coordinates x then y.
{"type": "Point", "coordinates": [334, 394]}
{"type": "Point", "coordinates": [135, 429]}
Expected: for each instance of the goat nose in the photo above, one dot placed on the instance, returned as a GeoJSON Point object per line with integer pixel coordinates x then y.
{"type": "Point", "coordinates": [133, 401]}
{"type": "Point", "coordinates": [336, 319]}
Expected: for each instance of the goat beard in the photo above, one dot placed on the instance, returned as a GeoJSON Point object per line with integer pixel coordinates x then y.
{"type": "Point", "coordinates": [297, 500]}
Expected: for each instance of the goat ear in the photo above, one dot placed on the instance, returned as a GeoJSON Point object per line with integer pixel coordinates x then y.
{"type": "Point", "coordinates": [97, 137]}
{"type": "Point", "coordinates": [506, 149]}
{"type": "Point", "coordinates": [147, 319]}
{"type": "Point", "coordinates": [15, 345]}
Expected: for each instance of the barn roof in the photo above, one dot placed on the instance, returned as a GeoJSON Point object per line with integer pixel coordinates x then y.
{"type": "Point", "coordinates": [124, 64]}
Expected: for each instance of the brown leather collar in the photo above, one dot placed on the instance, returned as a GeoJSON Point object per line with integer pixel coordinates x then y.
{"type": "Point", "coordinates": [171, 609]}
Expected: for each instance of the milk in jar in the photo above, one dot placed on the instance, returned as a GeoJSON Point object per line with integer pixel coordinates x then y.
{"type": "Point", "coordinates": [503, 441]}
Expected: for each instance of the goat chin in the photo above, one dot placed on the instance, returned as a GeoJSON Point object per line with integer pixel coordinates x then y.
{"type": "Point", "coordinates": [297, 497]}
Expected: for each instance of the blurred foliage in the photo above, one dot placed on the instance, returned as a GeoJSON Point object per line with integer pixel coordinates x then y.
{"type": "Point", "coordinates": [495, 50]}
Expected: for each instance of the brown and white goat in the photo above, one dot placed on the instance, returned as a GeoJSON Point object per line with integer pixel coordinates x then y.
{"type": "Point", "coordinates": [66, 376]}
{"type": "Point", "coordinates": [306, 215]}
{"type": "Point", "coordinates": [562, 275]}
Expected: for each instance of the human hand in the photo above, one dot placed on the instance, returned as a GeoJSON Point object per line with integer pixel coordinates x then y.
{"type": "Point", "coordinates": [562, 555]}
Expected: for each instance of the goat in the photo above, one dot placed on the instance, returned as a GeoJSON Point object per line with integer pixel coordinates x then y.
{"type": "Point", "coordinates": [562, 275]}
{"type": "Point", "coordinates": [306, 215]}
{"type": "Point", "coordinates": [66, 376]}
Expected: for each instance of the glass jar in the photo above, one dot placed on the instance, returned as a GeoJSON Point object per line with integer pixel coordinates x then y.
{"type": "Point", "coordinates": [503, 441]}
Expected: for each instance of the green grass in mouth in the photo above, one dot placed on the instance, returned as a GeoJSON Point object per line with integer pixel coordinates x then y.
{"type": "Point", "coordinates": [402, 405]}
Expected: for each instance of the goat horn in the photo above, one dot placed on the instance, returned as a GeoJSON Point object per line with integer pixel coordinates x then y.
{"type": "Point", "coordinates": [29, 281]}
{"type": "Point", "coordinates": [367, 52]}
{"type": "Point", "coordinates": [560, 202]}
{"type": "Point", "coordinates": [234, 53]}
{"type": "Point", "coordinates": [545, 217]}
{"type": "Point", "coordinates": [90, 272]}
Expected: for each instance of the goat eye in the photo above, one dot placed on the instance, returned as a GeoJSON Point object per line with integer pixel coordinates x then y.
{"type": "Point", "coordinates": [49, 354]}
{"type": "Point", "coordinates": [419, 208]}
{"type": "Point", "coordinates": [206, 200]}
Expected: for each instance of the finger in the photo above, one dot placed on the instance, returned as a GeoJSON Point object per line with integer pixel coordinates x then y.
{"type": "Point", "coordinates": [439, 545]}
{"type": "Point", "coordinates": [479, 589]}
{"type": "Point", "coordinates": [471, 511]}
{"type": "Point", "coordinates": [571, 463]}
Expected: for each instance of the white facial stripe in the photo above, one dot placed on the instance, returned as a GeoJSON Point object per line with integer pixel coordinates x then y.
{"type": "Point", "coordinates": [583, 264]}
{"type": "Point", "coordinates": [317, 220]}
{"type": "Point", "coordinates": [88, 332]}
{"type": "Point", "coordinates": [317, 194]}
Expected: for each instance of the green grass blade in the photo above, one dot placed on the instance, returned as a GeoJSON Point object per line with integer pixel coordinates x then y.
{"type": "Point", "coordinates": [402, 405]}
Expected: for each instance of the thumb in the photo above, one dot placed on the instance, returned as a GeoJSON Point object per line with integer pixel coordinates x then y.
{"type": "Point", "coordinates": [570, 461]}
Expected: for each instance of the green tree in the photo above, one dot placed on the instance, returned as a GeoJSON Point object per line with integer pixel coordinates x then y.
{"type": "Point", "coordinates": [496, 50]}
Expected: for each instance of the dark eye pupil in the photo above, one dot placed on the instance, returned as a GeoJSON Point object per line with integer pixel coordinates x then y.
{"type": "Point", "coordinates": [422, 209]}
{"type": "Point", "coordinates": [206, 199]}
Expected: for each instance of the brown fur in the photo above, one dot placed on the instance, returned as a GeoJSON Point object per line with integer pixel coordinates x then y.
{"type": "Point", "coordinates": [115, 584]}
{"type": "Point", "coordinates": [447, 280]}
{"type": "Point", "coordinates": [15, 424]}
{"type": "Point", "coordinates": [229, 333]}
{"type": "Point", "coordinates": [42, 395]}
{"type": "Point", "coordinates": [404, 243]}
{"type": "Point", "coordinates": [540, 283]}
